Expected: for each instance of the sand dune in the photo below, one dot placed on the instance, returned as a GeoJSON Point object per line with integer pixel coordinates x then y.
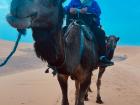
{"type": "Point", "coordinates": [23, 81]}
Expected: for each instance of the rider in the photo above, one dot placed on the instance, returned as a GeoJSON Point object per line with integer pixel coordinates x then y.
{"type": "Point", "coordinates": [89, 11]}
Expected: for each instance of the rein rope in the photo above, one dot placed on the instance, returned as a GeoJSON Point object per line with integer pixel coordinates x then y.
{"type": "Point", "coordinates": [14, 49]}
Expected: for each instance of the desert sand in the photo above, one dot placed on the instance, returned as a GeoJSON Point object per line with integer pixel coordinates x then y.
{"type": "Point", "coordinates": [23, 81]}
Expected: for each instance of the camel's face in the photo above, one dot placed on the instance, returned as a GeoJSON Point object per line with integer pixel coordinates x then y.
{"type": "Point", "coordinates": [112, 42]}
{"type": "Point", "coordinates": [33, 13]}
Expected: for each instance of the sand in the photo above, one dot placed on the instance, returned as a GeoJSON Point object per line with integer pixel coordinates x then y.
{"type": "Point", "coordinates": [23, 81]}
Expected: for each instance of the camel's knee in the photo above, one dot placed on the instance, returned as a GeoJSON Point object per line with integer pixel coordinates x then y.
{"type": "Point", "coordinates": [62, 78]}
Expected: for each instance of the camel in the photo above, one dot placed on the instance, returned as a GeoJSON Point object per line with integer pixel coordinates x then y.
{"type": "Point", "coordinates": [111, 43]}
{"type": "Point", "coordinates": [71, 53]}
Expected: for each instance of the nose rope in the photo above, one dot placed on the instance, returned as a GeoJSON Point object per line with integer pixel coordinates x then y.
{"type": "Point", "coordinates": [21, 32]}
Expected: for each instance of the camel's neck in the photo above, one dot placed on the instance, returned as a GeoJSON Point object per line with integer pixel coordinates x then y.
{"type": "Point", "coordinates": [48, 45]}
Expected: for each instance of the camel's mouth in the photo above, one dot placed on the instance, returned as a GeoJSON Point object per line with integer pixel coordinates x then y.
{"type": "Point", "coordinates": [20, 23]}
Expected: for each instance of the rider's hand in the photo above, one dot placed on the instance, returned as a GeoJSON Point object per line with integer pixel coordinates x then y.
{"type": "Point", "coordinates": [73, 10]}
{"type": "Point", "coordinates": [83, 10]}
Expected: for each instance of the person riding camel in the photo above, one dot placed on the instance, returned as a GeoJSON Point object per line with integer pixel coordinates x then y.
{"type": "Point", "coordinates": [89, 12]}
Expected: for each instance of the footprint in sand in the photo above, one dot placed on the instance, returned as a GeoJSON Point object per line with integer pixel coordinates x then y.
{"type": "Point", "coordinates": [27, 50]}
{"type": "Point", "coordinates": [118, 58]}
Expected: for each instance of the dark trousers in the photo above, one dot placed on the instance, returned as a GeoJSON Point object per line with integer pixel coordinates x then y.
{"type": "Point", "coordinates": [99, 33]}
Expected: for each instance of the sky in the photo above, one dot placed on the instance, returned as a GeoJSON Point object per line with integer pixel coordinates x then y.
{"type": "Point", "coordinates": [119, 17]}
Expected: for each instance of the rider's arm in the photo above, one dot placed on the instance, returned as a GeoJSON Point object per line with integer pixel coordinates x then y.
{"type": "Point", "coordinates": [94, 9]}
{"type": "Point", "coordinates": [70, 5]}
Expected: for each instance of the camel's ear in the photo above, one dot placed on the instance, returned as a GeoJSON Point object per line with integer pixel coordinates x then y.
{"type": "Point", "coordinates": [117, 38]}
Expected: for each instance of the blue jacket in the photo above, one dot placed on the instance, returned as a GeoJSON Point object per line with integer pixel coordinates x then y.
{"type": "Point", "coordinates": [93, 8]}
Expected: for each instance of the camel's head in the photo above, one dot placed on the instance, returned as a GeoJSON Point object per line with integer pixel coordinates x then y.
{"type": "Point", "coordinates": [34, 13]}
{"type": "Point", "coordinates": [111, 43]}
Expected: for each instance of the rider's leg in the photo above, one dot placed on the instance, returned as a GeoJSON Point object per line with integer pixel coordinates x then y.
{"type": "Point", "coordinates": [101, 37]}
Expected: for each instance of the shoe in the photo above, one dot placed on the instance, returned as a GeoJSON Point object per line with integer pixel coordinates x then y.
{"type": "Point", "coordinates": [104, 61]}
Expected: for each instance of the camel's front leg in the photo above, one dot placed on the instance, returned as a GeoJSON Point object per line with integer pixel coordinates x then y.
{"type": "Point", "coordinates": [63, 79]}
{"type": "Point", "coordinates": [84, 85]}
{"type": "Point", "coordinates": [101, 71]}
{"type": "Point", "coordinates": [77, 85]}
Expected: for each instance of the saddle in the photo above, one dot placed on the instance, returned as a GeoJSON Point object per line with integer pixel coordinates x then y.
{"type": "Point", "coordinates": [87, 32]}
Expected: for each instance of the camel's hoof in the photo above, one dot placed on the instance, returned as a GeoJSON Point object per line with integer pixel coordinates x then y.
{"type": "Point", "coordinates": [99, 101]}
